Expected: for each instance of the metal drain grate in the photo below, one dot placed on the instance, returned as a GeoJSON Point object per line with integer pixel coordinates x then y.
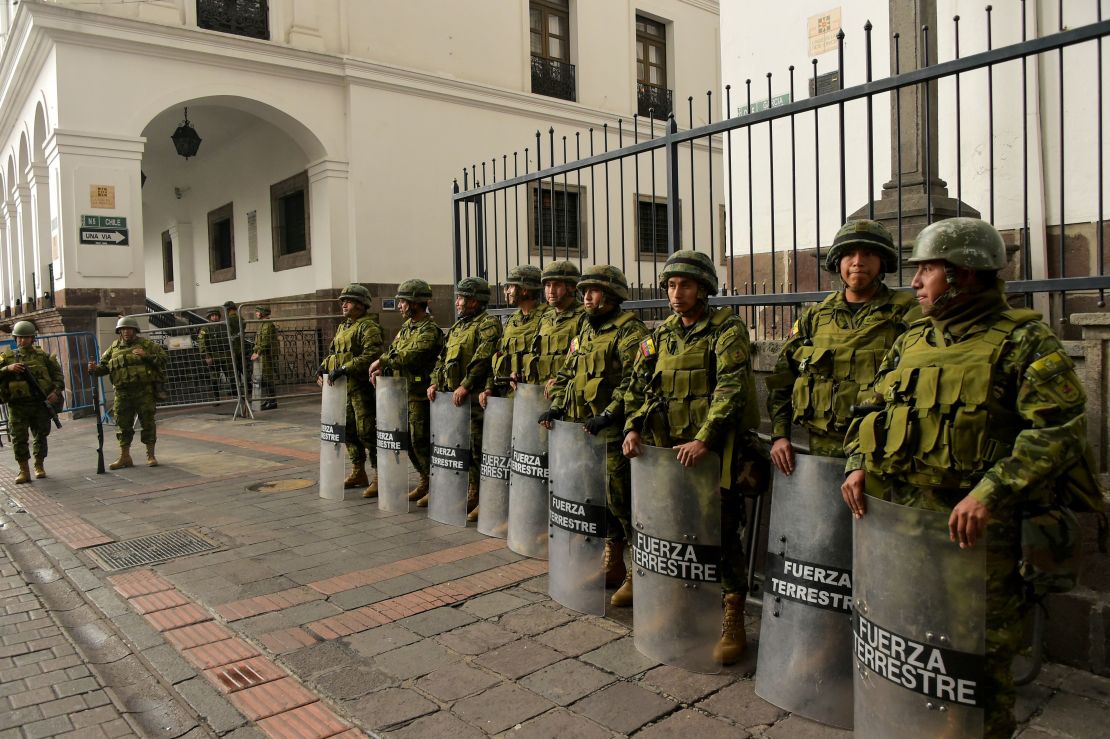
{"type": "Point", "coordinates": [149, 549]}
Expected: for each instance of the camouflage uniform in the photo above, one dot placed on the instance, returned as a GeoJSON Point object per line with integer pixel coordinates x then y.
{"type": "Point", "coordinates": [829, 361]}
{"type": "Point", "coordinates": [552, 341]}
{"type": "Point", "coordinates": [981, 401]}
{"type": "Point", "coordinates": [513, 358]}
{"type": "Point", "coordinates": [413, 355]}
{"type": "Point", "coordinates": [133, 378]}
{"type": "Point", "coordinates": [266, 346]}
{"type": "Point", "coordinates": [357, 343]}
{"type": "Point", "coordinates": [25, 412]}
{"type": "Point", "coordinates": [465, 362]}
{"type": "Point", "coordinates": [214, 344]}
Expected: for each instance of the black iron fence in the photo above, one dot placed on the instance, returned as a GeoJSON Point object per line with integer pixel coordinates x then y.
{"type": "Point", "coordinates": [764, 192]}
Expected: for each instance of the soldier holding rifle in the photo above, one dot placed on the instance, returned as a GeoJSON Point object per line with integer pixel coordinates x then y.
{"type": "Point", "coordinates": [31, 383]}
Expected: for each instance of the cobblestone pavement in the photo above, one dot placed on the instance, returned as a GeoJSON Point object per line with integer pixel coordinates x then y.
{"type": "Point", "coordinates": [315, 618]}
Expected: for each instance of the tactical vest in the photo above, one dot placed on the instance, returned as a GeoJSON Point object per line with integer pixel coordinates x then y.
{"type": "Point", "coordinates": [462, 341]}
{"type": "Point", "coordinates": [36, 361]}
{"type": "Point", "coordinates": [597, 370]}
{"type": "Point", "coordinates": [125, 368]}
{"type": "Point", "coordinates": [418, 377]}
{"type": "Point", "coordinates": [556, 333]}
{"type": "Point", "coordinates": [839, 363]}
{"type": "Point", "coordinates": [347, 345]}
{"type": "Point", "coordinates": [685, 375]}
{"type": "Point", "coordinates": [516, 343]}
{"type": "Point", "coordinates": [942, 425]}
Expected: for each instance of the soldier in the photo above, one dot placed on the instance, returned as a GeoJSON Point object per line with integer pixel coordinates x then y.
{"type": "Point", "coordinates": [412, 355]}
{"type": "Point", "coordinates": [590, 389]}
{"type": "Point", "coordinates": [265, 353]}
{"type": "Point", "coordinates": [558, 326]}
{"type": "Point", "coordinates": [214, 345]}
{"type": "Point", "coordinates": [26, 410]}
{"type": "Point", "coordinates": [829, 363]}
{"type": "Point", "coordinates": [133, 364]}
{"type": "Point", "coordinates": [696, 394]}
{"type": "Point", "coordinates": [993, 416]}
{"type": "Point", "coordinates": [358, 342]}
{"type": "Point", "coordinates": [514, 354]}
{"type": "Point", "coordinates": [464, 365]}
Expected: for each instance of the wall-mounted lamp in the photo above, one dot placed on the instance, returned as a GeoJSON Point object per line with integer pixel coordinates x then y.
{"type": "Point", "coordinates": [185, 139]}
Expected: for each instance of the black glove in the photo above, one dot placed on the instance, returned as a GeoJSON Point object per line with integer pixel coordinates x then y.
{"type": "Point", "coordinates": [321, 371]}
{"type": "Point", "coordinates": [597, 423]}
{"type": "Point", "coordinates": [338, 372]}
{"type": "Point", "coordinates": [552, 414]}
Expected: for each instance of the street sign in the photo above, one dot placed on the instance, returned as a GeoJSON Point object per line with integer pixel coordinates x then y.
{"type": "Point", "coordinates": [110, 236]}
{"type": "Point", "coordinates": [103, 222]}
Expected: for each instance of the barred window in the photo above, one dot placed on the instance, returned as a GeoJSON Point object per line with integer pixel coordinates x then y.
{"type": "Point", "coordinates": [290, 221]}
{"type": "Point", "coordinates": [221, 244]}
{"type": "Point", "coordinates": [240, 17]}
{"type": "Point", "coordinates": [558, 223]}
{"type": "Point", "coordinates": [167, 262]}
{"type": "Point", "coordinates": [652, 233]}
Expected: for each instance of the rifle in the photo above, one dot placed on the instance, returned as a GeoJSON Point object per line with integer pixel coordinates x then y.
{"type": "Point", "coordinates": [38, 394]}
{"type": "Point", "coordinates": [99, 427]}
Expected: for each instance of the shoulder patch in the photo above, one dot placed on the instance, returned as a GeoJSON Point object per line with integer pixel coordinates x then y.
{"type": "Point", "coordinates": [1049, 366]}
{"type": "Point", "coordinates": [573, 345]}
{"type": "Point", "coordinates": [647, 347]}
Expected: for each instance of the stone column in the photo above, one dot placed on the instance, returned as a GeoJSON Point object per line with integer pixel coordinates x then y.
{"type": "Point", "coordinates": [11, 244]}
{"type": "Point", "coordinates": [184, 274]}
{"type": "Point", "coordinates": [25, 259]}
{"type": "Point", "coordinates": [333, 252]}
{"type": "Point", "coordinates": [38, 180]}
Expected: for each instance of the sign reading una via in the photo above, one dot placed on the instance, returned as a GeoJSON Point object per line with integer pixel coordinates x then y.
{"type": "Point", "coordinates": [111, 230]}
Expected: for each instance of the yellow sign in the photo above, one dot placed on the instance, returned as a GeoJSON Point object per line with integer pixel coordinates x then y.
{"type": "Point", "coordinates": [102, 196]}
{"type": "Point", "coordinates": [823, 28]}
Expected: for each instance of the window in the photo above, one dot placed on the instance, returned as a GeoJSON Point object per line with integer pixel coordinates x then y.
{"type": "Point", "coordinates": [221, 245]}
{"type": "Point", "coordinates": [167, 261]}
{"type": "Point", "coordinates": [565, 216]}
{"type": "Point", "coordinates": [652, 233]}
{"type": "Point", "coordinates": [241, 17]}
{"type": "Point", "coordinates": [552, 72]}
{"type": "Point", "coordinates": [289, 218]}
{"type": "Point", "coordinates": [652, 96]}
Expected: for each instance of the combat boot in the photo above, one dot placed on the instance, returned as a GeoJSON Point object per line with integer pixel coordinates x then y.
{"type": "Point", "coordinates": [423, 502]}
{"type": "Point", "coordinates": [614, 563]}
{"type": "Point", "coordinates": [151, 460]}
{"type": "Point", "coordinates": [124, 459]}
{"type": "Point", "coordinates": [623, 597]}
{"type": "Point", "coordinates": [357, 478]}
{"type": "Point", "coordinates": [24, 473]}
{"type": "Point", "coordinates": [371, 490]}
{"type": "Point", "coordinates": [472, 503]}
{"type": "Point", "coordinates": [420, 490]}
{"type": "Point", "coordinates": [733, 639]}
{"type": "Point", "coordinates": [40, 470]}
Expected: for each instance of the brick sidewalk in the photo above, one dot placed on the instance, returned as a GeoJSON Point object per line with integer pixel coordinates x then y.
{"type": "Point", "coordinates": [322, 617]}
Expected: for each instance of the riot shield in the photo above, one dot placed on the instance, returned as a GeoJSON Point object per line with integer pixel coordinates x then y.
{"type": "Point", "coordinates": [393, 443]}
{"type": "Point", "coordinates": [450, 460]}
{"type": "Point", "coordinates": [576, 548]}
{"type": "Point", "coordinates": [333, 437]}
{"type": "Point", "coordinates": [676, 513]}
{"type": "Point", "coordinates": [528, 474]}
{"type": "Point", "coordinates": [805, 639]}
{"type": "Point", "coordinates": [493, 490]}
{"type": "Point", "coordinates": [919, 626]}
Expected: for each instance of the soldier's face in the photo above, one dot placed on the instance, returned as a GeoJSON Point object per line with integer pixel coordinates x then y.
{"type": "Point", "coordinates": [405, 307]}
{"type": "Point", "coordinates": [465, 306]}
{"type": "Point", "coordinates": [682, 294]}
{"type": "Point", "coordinates": [351, 308]}
{"type": "Point", "coordinates": [24, 342]}
{"type": "Point", "coordinates": [930, 282]}
{"type": "Point", "coordinates": [127, 334]}
{"type": "Point", "coordinates": [859, 269]}
{"type": "Point", "coordinates": [593, 298]}
{"type": "Point", "coordinates": [213, 317]}
{"type": "Point", "coordinates": [512, 294]}
{"type": "Point", "coordinates": [558, 293]}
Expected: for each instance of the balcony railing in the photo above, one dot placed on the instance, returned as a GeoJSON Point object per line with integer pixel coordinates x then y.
{"type": "Point", "coordinates": [553, 78]}
{"type": "Point", "coordinates": [241, 17]}
{"type": "Point", "coordinates": [653, 101]}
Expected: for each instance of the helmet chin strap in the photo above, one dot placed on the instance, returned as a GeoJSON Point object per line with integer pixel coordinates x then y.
{"type": "Point", "coordinates": [944, 301]}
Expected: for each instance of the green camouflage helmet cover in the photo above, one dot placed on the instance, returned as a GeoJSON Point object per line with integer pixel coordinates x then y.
{"type": "Point", "coordinates": [127, 322]}
{"type": "Point", "coordinates": [24, 328]}
{"type": "Point", "coordinates": [970, 243]}
{"type": "Point", "coordinates": [356, 292]}
{"type": "Point", "coordinates": [230, 305]}
{"type": "Point", "coordinates": [862, 234]}
{"type": "Point", "coordinates": [693, 264]}
{"type": "Point", "coordinates": [563, 271]}
{"type": "Point", "coordinates": [263, 309]}
{"type": "Point", "coordinates": [525, 275]}
{"type": "Point", "coordinates": [608, 278]}
{"type": "Point", "coordinates": [415, 290]}
{"type": "Point", "coordinates": [473, 287]}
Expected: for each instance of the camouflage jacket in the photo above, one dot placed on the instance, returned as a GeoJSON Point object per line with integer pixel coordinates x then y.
{"type": "Point", "coordinates": [552, 341]}
{"type": "Point", "coordinates": [598, 370]}
{"type": "Point", "coordinates": [129, 371]}
{"type": "Point", "coordinates": [265, 340]}
{"type": "Point", "coordinates": [467, 353]}
{"type": "Point", "coordinates": [831, 358]}
{"type": "Point", "coordinates": [697, 381]}
{"type": "Point", "coordinates": [213, 341]}
{"type": "Point", "coordinates": [1015, 424]}
{"type": "Point", "coordinates": [43, 366]}
{"type": "Point", "coordinates": [513, 355]}
{"type": "Point", "coordinates": [414, 352]}
{"type": "Point", "coordinates": [356, 344]}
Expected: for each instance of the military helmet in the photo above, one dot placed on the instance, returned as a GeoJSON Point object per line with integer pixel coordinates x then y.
{"type": "Point", "coordinates": [963, 242]}
{"type": "Point", "coordinates": [473, 287]}
{"type": "Point", "coordinates": [24, 328]}
{"type": "Point", "coordinates": [416, 291]}
{"type": "Point", "coordinates": [230, 305]}
{"type": "Point", "coordinates": [356, 292]}
{"type": "Point", "coordinates": [563, 271]}
{"type": "Point", "coordinates": [607, 277]}
{"type": "Point", "coordinates": [213, 311]}
{"type": "Point", "coordinates": [862, 234]}
{"type": "Point", "coordinates": [127, 322]}
{"type": "Point", "coordinates": [526, 276]}
{"type": "Point", "coordinates": [693, 264]}
{"type": "Point", "coordinates": [263, 309]}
